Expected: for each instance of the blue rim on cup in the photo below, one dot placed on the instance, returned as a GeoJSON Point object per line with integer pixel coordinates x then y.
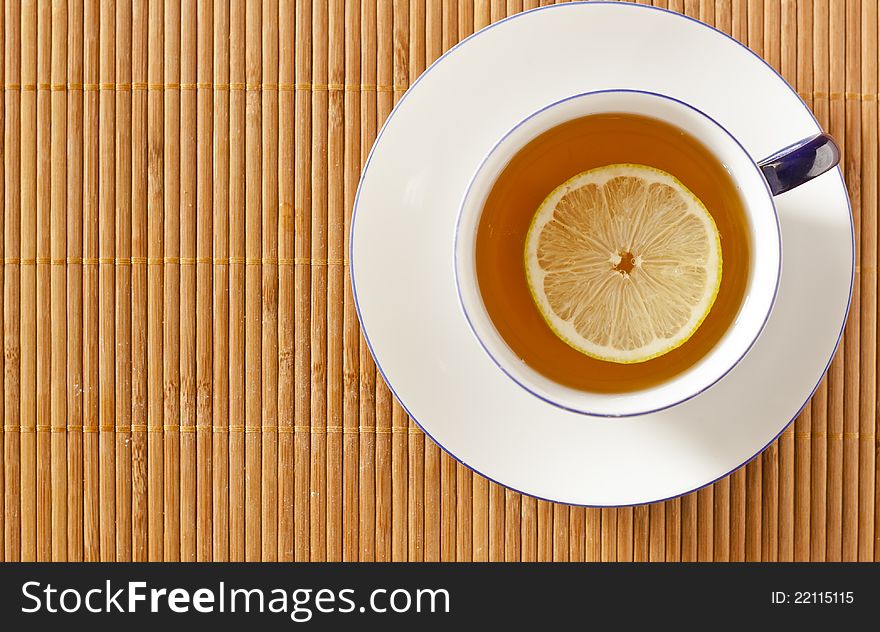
{"type": "Point", "coordinates": [758, 182]}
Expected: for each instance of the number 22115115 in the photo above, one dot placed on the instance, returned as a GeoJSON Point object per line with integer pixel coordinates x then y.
{"type": "Point", "coordinates": [813, 597]}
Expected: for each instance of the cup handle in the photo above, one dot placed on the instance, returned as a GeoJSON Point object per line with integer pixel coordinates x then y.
{"type": "Point", "coordinates": [800, 162]}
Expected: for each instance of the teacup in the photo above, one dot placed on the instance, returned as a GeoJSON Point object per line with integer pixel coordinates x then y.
{"type": "Point", "coordinates": [757, 182]}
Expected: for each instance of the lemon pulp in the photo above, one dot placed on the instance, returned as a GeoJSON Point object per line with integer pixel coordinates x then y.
{"type": "Point", "coordinates": [623, 262]}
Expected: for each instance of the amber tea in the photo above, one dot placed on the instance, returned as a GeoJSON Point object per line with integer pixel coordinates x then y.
{"type": "Point", "coordinates": [555, 280]}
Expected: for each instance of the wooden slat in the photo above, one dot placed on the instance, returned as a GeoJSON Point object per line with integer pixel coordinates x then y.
{"type": "Point", "coordinates": [123, 297]}
{"type": "Point", "coordinates": [91, 113]}
{"type": "Point", "coordinates": [75, 180]}
{"type": "Point", "coordinates": [3, 434]}
{"type": "Point", "coordinates": [139, 282]}
{"type": "Point", "coordinates": [269, 294]}
{"type": "Point", "coordinates": [171, 285]}
{"type": "Point", "coordinates": [253, 283]}
{"type": "Point", "coordinates": [318, 290]}
{"type": "Point", "coordinates": [237, 395]}
{"type": "Point", "coordinates": [155, 289]}
{"type": "Point", "coordinates": [204, 293]}
{"type": "Point", "coordinates": [58, 284]}
{"type": "Point", "coordinates": [336, 279]}
{"type": "Point", "coordinates": [24, 466]}
{"type": "Point", "coordinates": [868, 352]}
{"type": "Point", "coordinates": [43, 327]}
{"type": "Point", "coordinates": [220, 524]}
{"type": "Point", "coordinates": [351, 333]}
{"type": "Point", "coordinates": [12, 283]}
{"type": "Point", "coordinates": [286, 311]}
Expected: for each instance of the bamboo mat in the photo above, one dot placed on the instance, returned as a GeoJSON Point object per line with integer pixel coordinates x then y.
{"type": "Point", "coordinates": [183, 375]}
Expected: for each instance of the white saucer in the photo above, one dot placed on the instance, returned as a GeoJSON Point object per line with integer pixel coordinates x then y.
{"type": "Point", "coordinates": [402, 256]}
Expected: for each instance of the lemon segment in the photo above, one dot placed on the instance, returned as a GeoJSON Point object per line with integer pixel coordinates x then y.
{"type": "Point", "coordinates": [623, 262]}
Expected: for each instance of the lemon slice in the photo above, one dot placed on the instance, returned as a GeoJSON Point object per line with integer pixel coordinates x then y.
{"type": "Point", "coordinates": [624, 262]}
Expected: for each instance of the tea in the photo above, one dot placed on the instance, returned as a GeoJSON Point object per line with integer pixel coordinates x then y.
{"type": "Point", "coordinates": [554, 157]}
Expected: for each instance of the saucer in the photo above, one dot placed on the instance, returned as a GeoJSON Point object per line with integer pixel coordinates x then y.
{"type": "Point", "coordinates": [402, 256]}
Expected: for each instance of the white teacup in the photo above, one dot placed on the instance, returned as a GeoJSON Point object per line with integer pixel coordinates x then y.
{"type": "Point", "coordinates": [757, 184]}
